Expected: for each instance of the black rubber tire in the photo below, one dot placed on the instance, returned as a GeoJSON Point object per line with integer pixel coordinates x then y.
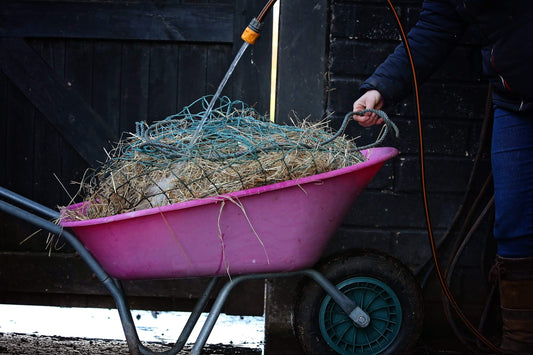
{"type": "Point", "coordinates": [372, 265]}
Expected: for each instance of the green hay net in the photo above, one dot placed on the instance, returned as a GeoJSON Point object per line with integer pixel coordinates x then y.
{"type": "Point", "coordinates": [235, 149]}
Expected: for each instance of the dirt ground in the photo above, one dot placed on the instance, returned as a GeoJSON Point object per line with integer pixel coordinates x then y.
{"type": "Point", "coordinates": [19, 344]}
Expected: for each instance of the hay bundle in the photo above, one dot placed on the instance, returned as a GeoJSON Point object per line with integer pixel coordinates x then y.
{"type": "Point", "coordinates": [236, 149]}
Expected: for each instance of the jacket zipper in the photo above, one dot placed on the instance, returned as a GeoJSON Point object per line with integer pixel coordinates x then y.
{"type": "Point", "coordinates": [504, 83]}
{"type": "Point", "coordinates": [492, 61]}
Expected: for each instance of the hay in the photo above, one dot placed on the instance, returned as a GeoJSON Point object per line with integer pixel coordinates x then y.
{"type": "Point", "coordinates": [237, 149]}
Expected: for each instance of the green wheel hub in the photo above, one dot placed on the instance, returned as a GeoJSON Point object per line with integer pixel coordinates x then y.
{"type": "Point", "coordinates": [375, 298]}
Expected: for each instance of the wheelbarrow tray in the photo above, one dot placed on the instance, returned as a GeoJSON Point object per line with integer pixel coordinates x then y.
{"type": "Point", "coordinates": [275, 228]}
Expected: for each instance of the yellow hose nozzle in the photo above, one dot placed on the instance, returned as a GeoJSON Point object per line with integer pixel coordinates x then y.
{"type": "Point", "coordinates": [251, 33]}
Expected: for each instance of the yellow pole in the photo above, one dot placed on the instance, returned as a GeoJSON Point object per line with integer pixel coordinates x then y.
{"type": "Point", "coordinates": [274, 67]}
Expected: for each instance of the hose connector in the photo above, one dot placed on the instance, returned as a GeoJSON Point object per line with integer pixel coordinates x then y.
{"type": "Point", "coordinates": [251, 32]}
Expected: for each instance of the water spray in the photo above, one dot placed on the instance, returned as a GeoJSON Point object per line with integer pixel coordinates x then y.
{"type": "Point", "coordinates": [249, 36]}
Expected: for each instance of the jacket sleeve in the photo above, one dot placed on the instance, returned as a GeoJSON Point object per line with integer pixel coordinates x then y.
{"type": "Point", "coordinates": [432, 38]}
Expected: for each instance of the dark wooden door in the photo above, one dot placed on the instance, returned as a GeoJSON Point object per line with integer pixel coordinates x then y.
{"type": "Point", "coordinates": [77, 74]}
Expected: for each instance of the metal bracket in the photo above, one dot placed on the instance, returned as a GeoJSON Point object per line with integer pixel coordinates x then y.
{"type": "Point", "coordinates": [360, 317]}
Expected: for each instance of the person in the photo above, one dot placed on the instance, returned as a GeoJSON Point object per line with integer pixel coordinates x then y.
{"type": "Point", "coordinates": [507, 61]}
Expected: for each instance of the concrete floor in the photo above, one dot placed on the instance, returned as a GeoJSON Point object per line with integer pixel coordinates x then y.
{"type": "Point", "coordinates": [19, 344]}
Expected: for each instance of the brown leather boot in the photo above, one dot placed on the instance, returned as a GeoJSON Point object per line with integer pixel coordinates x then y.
{"type": "Point", "coordinates": [516, 300]}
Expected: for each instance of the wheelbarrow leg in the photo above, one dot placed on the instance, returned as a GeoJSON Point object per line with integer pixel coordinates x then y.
{"type": "Point", "coordinates": [195, 314]}
{"type": "Point", "coordinates": [215, 312]}
{"type": "Point", "coordinates": [135, 346]}
{"type": "Point", "coordinates": [117, 292]}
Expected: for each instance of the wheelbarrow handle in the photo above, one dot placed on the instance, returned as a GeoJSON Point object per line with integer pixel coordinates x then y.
{"type": "Point", "coordinates": [9, 195]}
{"type": "Point", "coordinates": [58, 230]}
{"type": "Point", "coordinates": [46, 224]}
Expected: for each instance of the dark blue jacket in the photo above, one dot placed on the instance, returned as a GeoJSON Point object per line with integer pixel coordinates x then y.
{"type": "Point", "coordinates": [507, 53]}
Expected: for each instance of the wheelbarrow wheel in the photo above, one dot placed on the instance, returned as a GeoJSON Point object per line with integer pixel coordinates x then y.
{"type": "Point", "coordinates": [382, 286]}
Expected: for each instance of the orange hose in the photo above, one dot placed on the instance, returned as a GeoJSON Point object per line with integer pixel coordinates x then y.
{"type": "Point", "coordinates": [265, 9]}
{"type": "Point", "coordinates": [443, 284]}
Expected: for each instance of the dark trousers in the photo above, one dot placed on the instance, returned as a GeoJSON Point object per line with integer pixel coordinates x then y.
{"type": "Point", "coordinates": [512, 165]}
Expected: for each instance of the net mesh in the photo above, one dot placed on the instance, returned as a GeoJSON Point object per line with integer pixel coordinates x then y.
{"type": "Point", "coordinates": [236, 149]}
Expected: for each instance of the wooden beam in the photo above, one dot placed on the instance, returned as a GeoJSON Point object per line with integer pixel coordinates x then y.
{"type": "Point", "coordinates": [302, 60]}
{"type": "Point", "coordinates": [83, 128]}
{"type": "Point", "coordinates": [106, 20]}
{"type": "Point", "coordinates": [64, 278]}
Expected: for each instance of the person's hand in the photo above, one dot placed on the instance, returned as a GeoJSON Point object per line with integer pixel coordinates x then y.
{"type": "Point", "coordinates": [371, 99]}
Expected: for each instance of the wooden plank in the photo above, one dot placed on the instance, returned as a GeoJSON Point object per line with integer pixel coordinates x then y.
{"type": "Point", "coordinates": [118, 20]}
{"type": "Point", "coordinates": [3, 126]}
{"type": "Point", "coordinates": [67, 274]}
{"type": "Point", "coordinates": [134, 82]}
{"type": "Point", "coordinates": [19, 142]}
{"type": "Point", "coordinates": [16, 163]}
{"type": "Point", "coordinates": [48, 50]}
{"type": "Point", "coordinates": [46, 161]}
{"type": "Point", "coordinates": [302, 60]}
{"type": "Point", "coordinates": [163, 81]}
{"type": "Point", "coordinates": [79, 55]}
{"type": "Point", "coordinates": [106, 82]}
{"type": "Point", "coordinates": [63, 161]}
{"type": "Point", "coordinates": [72, 165]}
{"type": "Point", "coordinates": [46, 156]}
{"type": "Point", "coordinates": [192, 71]}
{"type": "Point", "coordinates": [69, 113]}
{"type": "Point", "coordinates": [219, 59]}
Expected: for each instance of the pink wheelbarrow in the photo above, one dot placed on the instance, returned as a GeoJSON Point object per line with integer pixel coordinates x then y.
{"type": "Point", "coordinates": [360, 303]}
